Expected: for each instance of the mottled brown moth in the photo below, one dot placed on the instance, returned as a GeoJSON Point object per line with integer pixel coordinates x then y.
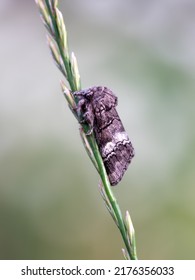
{"type": "Point", "coordinates": [97, 105]}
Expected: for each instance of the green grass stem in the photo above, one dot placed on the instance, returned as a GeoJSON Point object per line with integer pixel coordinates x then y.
{"type": "Point", "coordinates": [58, 43]}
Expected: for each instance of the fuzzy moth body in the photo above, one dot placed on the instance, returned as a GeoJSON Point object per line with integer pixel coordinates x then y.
{"type": "Point", "coordinates": [98, 108]}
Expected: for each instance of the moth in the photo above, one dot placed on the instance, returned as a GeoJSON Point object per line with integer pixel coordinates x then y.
{"type": "Point", "coordinates": [97, 105]}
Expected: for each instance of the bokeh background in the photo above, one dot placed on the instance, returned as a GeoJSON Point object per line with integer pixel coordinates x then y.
{"type": "Point", "coordinates": [50, 206]}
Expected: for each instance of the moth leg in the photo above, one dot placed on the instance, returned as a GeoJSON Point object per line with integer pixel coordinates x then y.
{"type": "Point", "coordinates": [89, 119]}
{"type": "Point", "coordinates": [82, 121]}
{"type": "Point", "coordinates": [85, 114]}
{"type": "Point", "coordinates": [89, 132]}
{"type": "Point", "coordinates": [79, 110]}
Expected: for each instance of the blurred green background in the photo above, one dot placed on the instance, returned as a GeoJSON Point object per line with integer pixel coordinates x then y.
{"type": "Point", "coordinates": [50, 206]}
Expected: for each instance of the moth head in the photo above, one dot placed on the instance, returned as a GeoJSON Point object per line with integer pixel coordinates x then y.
{"type": "Point", "coordinates": [89, 94]}
{"type": "Point", "coordinates": [84, 94]}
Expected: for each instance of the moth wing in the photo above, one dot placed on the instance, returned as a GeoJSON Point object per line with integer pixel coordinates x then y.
{"type": "Point", "coordinates": [114, 145]}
